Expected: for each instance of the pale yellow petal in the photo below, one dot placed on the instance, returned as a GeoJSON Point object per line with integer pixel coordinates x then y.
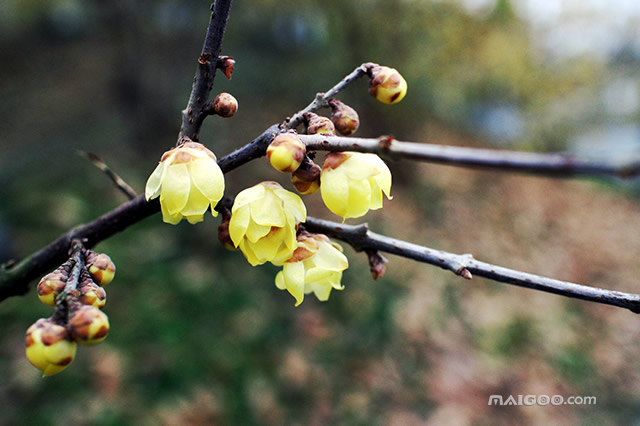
{"type": "Point", "coordinates": [208, 178]}
{"type": "Point", "coordinates": [322, 291]}
{"type": "Point", "coordinates": [359, 198]}
{"type": "Point", "coordinates": [334, 189]}
{"type": "Point", "coordinates": [238, 224]}
{"type": "Point", "coordinates": [247, 250]}
{"type": "Point", "coordinates": [294, 280]}
{"type": "Point", "coordinates": [376, 195]}
{"type": "Point", "coordinates": [335, 280]}
{"type": "Point", "coordinates": [268, 210]}
{"type": "Point", "coordinates": [327, 257]}
{"type": "Point", "coordinates": [256, 231]}
{"type": "Point", "coordinates": [265, 249]}
{"type": "Point", "coordinates": [167, 217]}
{"type": "Point", "coordinates": [280, 281]}
{"type": "Point", "coordinates": [175, 188]}
{"type": "Point", "coordinates": [248, 195]}
{"type": "Point", "coordinates": [313, 275]}
{"type": "Point", "coordinates": [193, 219]}
{"type": "Point", "coordinates": [294, 202]}
{"type": "Point", "coordinates": [152, 188]}
{"type": "Point", "coordinates": [197, 203]}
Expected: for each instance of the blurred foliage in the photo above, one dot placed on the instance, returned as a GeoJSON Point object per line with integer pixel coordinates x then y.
{"type": "Point", "coordinates": [199, 337]}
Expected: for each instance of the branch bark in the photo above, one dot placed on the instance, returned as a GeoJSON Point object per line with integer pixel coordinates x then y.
{"type": "Point", "coordinates": [193, 115]}
{"type": "Point", "coordinates": [362, 239]}
{"type": "Point", "coordinates": [554, 165]}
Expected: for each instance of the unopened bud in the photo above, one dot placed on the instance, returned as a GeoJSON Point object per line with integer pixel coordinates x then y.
{"type": "Point", "coordinates": [51, 285]}
{"type": "Point", "coordinates": [344, 118]}
{"type": "Point", "coordinates": [49, 347]}
{"type": "Point", "coordinates": [89, 293]}
{"type": "Point", "coordinates": [286, 152]}
{"type": "Point", "coordinates": [88, 325]}
{"type": "Point", "coordinates": [387, 85]}
{"type": "Point", "coordinates": [225, 105]}
{"type": "Point", "coordinates": [101, 267]}
{"type": "Point", "coordinates": [316, 124]}
{"type": "Point", "coordinates": [306, 179]}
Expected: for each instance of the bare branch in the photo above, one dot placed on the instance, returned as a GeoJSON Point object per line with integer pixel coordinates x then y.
{"type": "Point", "coordinates": [556, 165]}
{"type": "Point", "coordinates": [361, 239]}
{"type": "Point", "coordinates": [321, 99]}
{"type": "Point", "coordinates": [117, 180]}
{"type": "Point", "coordinates": [192, 115]}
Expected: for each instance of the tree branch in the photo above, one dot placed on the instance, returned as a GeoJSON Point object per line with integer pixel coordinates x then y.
{"type": "Point", "coordinates": [361, 239]}
{"type": "Point", "coordinates": [192, 115]}
{"type": "Point", "coordinates": [556, 165]}
{"type": "Point", "coordinates": [321, 99]}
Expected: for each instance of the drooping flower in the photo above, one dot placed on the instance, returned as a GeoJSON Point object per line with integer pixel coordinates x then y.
{"type": "Point", "coordinates": [315, 267]}
{"type": "Point", "coordinates": [188, 181]}
{"type": "Point", "coordinates": [352, 183]}
{"type": "Point", "coordinates": [49, 347]}
{"type": "Point", "coordinates": [263, 223]}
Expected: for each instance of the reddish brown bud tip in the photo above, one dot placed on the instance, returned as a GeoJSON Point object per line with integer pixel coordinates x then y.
{"type": "Point", "coordinates": [226, 64]}
{"type": "Point", "coordinates": [376, 264]}
{"type": "Point", "coordinates": [465, 273]}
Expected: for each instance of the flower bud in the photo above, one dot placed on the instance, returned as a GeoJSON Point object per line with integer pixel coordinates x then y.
{"type": "Point", "coordinates": [89, 293]}
{"type": "Point", "coordinates": [88, 325]}
{"type": "Point", "coordinates": [316, 124]}
{"type": "Point", "coordinates": [49, 347]}
{"type": "Point", "coordinates": [51, 285]}
{"type": "Point", "coordinates": [387, 85]}
{"type": "Point", "coordinates": [101, 267]}
{"type": "Point", "coordinates": [306, 179]}
{"type": "Point", "coordinates": [344, 118]}
{"type": "Point", "coordinates": [286, 152]}
{"type": "Point", "coordinates": [225, 105]}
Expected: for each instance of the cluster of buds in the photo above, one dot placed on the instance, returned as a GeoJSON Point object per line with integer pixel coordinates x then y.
{"type": "Point", "coordinates": [76, 290]}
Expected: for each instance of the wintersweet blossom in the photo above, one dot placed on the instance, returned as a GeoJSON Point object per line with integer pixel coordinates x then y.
{"type": "Point", "coordinates": [352, 183]}
{"type": "Point", "coordinates": [263, 223]}
{"type": "Point", "coordinates": [188, 181]}
{"type": "Point", "coordinates": [315, 267]}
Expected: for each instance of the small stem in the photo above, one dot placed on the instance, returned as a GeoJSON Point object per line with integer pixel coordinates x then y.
{"type": "Point", "coordinates": [321, 99]}
{"type": "Point", "coordinates": [117, 180]}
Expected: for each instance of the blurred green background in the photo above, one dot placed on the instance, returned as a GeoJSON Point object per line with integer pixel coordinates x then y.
{"type": "Point", "coordinates": [200, 337]}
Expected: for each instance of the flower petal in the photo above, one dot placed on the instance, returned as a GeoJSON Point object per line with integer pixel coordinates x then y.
{"type": "Point", "coordinates": [152, 188]}
{"type": "Point", "coordinates": [175, 188]}
{"type": "Point", "coordinates": [238, 224]}
{"type": "Point", "coordinates": [248, 195]}
{"type": "Point", "coordinates": [359, 198]}
{"type": "Point", "coordinates": [294, 280]}
{"type": "Point", "coordinates": [268, 210]}
{"type": "Point", "coordinates": [322, 291]}
{"type": "Point", "coordinates": [334, 189]}
{"type": "Point", "coordinates": [197, 203]}
{"type": "Point", "coordinates": [256, 231]}
{"type": "Point", "coordinates": [208, 178]}
{"type": "Point", "coordinates": [294, 202]}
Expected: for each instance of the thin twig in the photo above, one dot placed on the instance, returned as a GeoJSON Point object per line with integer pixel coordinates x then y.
{"type": "Point", "coordinates": [556, 165]}
{"type": "Point", "coordinates": [321, 99]}
{"type": "Point", "coordinates": [192, 115]}
{"type": "Point", "coordinates": [117, 180]}
{"type": "Point", "coordinates": [361, 239]}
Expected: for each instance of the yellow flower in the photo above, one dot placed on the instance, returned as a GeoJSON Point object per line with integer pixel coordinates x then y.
{"type": "Point", "coordinates": [316, 266]}
{"type": "Point", "coordinates": [352, 183]}
{"type": "Point", "coordinates": [49, 347]}
{"type": "Point", "coordinates": [188, 181]}
{"type": "Point", "coordinates": [263, 223]}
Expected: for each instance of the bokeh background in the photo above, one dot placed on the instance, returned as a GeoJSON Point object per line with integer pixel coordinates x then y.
{"type": "Point", "coordinates": [200, 337]}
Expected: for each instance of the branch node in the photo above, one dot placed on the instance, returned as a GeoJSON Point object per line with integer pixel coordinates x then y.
{"type": "Point", "coordinates": [464, 273]}
{"type": "Point", "coordinates": [376, 263]}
